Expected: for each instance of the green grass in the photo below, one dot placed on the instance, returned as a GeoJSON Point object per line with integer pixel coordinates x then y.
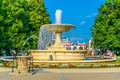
{"type": "Point", "coordinates": [118, 59]}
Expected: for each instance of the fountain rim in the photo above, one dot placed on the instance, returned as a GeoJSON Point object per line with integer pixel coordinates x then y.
{"type": "Point", "coordinates": [67, 25]}
{"type": "Point", "coordinates": [6, 58]}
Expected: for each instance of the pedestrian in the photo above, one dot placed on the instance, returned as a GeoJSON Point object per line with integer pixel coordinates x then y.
{"type": "Point", "coordinates": [19, 53]}
{"type": "Point", "coordinates": [14, 53]}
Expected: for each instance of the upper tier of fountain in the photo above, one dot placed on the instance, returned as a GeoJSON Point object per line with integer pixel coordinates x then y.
{"type": "Point", "coordinates": [58, 28]}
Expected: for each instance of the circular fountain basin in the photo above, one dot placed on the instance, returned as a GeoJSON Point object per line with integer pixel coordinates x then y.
{"type": "Point", "coordinates": [7, 58]}
{"type": "Point", "coordinates": [58, 27]}
{"type": "Point", "coordinates": [43, 56]}
{"type": "Point", "coordinates": [87, 59]}
{"type": "Point", "coordinates": [91, 60]}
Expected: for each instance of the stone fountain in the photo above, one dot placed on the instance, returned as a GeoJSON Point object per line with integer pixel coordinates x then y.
{"type": "Point", "coordinates": [58, 52]}
{"type": "Point", "coordinates": [58, 29]}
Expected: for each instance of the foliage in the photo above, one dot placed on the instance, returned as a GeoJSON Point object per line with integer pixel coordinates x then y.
{"type": "Point", "coordinates": [80, 48]}
{"type": "Point", "coordinates": [20, 19]}
{"type": "Point", "coordinates": [106, 29]}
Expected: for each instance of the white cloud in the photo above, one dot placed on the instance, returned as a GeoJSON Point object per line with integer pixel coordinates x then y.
{"type": "Point", "coordinates": [94, 14]}
{"type": "Point", "coordinates": [91, 15]}
{"type": "Point", "coordinates": [82, 22]}
{"type": "Point", "coordinates": [88, 16]}
{"type": "Point", "coordinates": [78, 39]}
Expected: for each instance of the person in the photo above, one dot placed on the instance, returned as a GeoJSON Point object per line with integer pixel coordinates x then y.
{"type": "Point", "coordinates": [112, 54]}
{"type": "Point", "coordinates": [26, 53]}
{"type": "Point", "coordinates": [107, 52]}
{"type": "Point", "coordinates": [96, 52]}
{"type": "Point", "coordinates": [14, 53]}
{"type": "Point", "coordinates": [19, 53]}
{"type": "Point", "coordinates": [101, 54]}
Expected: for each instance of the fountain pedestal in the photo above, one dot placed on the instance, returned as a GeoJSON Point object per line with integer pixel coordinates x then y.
{"type": "Point", "coordinates": [58, 29]}
{"type": "Point", "coordinates": [22, 68]}
{"type": "Point", "coordinates": [58, 44]}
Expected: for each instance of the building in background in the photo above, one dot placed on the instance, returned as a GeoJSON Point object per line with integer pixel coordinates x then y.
{"type": "Point", "coordinates": [73, 46]}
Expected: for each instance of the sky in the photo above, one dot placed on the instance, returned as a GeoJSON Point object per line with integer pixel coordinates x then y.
{"type": "Point", "coordinates": [80, 13]}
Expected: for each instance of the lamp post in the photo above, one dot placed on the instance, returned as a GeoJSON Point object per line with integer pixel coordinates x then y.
{"type": "Point", "coordinates": [14, 57]}
{"type": "Point", "coordinates": [13, 65]}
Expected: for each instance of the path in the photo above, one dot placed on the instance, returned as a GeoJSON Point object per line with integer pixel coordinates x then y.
{"type": "Point", "coordinates": [66, 74]}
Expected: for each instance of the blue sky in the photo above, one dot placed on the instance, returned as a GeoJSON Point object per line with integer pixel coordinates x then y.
{"type": "Point", "coordinates": [80, 13]}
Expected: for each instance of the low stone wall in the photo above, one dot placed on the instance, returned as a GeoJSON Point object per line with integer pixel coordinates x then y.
{"type": "Point", "coordinates": [70, 65]}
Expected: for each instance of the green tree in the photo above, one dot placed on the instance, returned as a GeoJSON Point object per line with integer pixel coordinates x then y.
{"type": "Point", "coordinates": [106, 29]}
{"type": "Point", "coordinates": [3, 37]}
{"type": "Point", "coordinates": [37, 17]}
{"type": "Point", "coordinates": [20, 19]}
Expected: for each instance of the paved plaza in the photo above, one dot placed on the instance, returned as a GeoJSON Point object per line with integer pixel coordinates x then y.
{"type": "Point", "coordinates": [65, 74]}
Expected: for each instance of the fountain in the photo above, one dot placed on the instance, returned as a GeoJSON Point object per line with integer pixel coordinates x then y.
{"type": "Point", "coordinates": [58, 51]}
{"type": "Point", "coordinates": [58, 29]}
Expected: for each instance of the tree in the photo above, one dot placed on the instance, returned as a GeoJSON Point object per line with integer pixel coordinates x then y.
{"type": "Point", "coordinates": [3, 37]}
{"type": "Point", "coordinates": [37, 17]}
{"type": "Point", "coordinates": [106, 29]}
{"type": "Point", "coordinates": [20, 19]}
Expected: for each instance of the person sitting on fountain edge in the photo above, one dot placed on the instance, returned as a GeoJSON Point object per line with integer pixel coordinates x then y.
{"type": "Point", "coordinates": [19, 53]}
{"type": "Point", "coordinates": [14, 53]}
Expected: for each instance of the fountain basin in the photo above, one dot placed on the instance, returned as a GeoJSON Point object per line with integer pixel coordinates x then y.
{"type": "Point", "coordinates": [58, 28]}
{"type": "Point", "coordinates": [64, 55]}
{"type": "Point", "coordinates": [7, 58]}
{"type": "Point", "coordinates": [94, 61]}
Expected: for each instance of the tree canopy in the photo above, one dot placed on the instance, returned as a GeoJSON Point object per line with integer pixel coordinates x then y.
{"type": "Point", "coordinates": [106, 29]}
{"type": "Point", "coordinates": [20, 19]}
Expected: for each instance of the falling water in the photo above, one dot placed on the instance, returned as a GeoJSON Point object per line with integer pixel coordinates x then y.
{"type": "Point", "coordinates": [45, 39]}
{"type": "Point", "coordinates": [58, 15]}
{"type": "Point", "coordinates": [27, 40]}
